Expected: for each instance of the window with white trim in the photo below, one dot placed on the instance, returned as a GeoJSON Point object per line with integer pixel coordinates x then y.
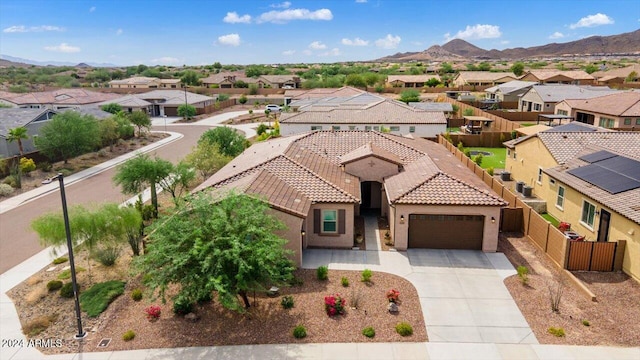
{"type": "Point", "coordinates": [395, 128]}
{"type": "Point", "coordinates": [330, 221]}
{"type": "Point", "coordinates": [412, 129]}
{"type": "Point", "coordinates": [560, 198]}
{"type": "Point", "coordinates": [588, 213]}
{"type": "Point", "coordinates": [606, 122]}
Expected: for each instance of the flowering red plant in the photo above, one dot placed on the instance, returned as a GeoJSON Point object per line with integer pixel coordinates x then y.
{"type": "Point", "coordinates": [334, 304]}
{"type": "Point", "coordinates": [153, 312]}
{"type": "Point", "coordinates": [393, 295]}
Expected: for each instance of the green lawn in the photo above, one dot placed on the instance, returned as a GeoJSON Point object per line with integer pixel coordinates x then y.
{"type": "Point", "coordinates": [496, 160]}
{"type": "Point", "coordinates": [551, 219]}
{"type": "Point", "coordinates": [453, 129]}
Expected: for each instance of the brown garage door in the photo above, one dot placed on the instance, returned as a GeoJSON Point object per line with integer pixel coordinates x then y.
{"type": "Point", "coordinates": [171, 111]}
{"type": "Point", "coordinates": [446, 231]}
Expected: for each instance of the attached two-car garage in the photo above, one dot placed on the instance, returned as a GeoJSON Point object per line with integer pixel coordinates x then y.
{"type": "Point", "coordinates": [446, 231]}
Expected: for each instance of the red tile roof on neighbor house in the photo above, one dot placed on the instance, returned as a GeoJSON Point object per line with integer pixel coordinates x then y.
{"type": "Point", "coordinates": [619, 104]}
{"type": "Point", "coordinates": [62, 97]}
{"type": "Point", "coordinates": [564, 146]}
{"type": "Point", "coordinates": [293, 172]}
{"type": "Point", "coordinates": [345, 91]}
{"type": "Point", "coordinates": [370, 150]}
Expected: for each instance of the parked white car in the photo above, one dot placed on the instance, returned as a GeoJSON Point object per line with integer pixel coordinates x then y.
{"type": "Point", "coordinates": [273, 108]}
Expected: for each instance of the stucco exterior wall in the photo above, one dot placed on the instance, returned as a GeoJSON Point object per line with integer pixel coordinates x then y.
{"type": "Point", "coordinates": [531, 155]}
{"type": "Point", "coordinates": [330, 240]}
{"type": "Point", "coordinates": [292, 233]}
{"type": "Point", "coordinates": [400, 232]}
{"type": "Point", "coordinates": [371, 168]}
{"type": "Point", "coordinates": [421, 130]}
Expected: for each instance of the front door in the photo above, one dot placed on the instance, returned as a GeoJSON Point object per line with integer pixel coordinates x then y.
{"type": "Point", "coordinates": [603, 228]}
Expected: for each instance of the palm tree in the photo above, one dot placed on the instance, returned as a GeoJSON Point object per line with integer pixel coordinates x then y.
{"type": "Point", "coordinates": [18, 134]}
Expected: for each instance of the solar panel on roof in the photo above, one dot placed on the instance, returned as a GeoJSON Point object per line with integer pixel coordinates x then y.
{"type": "Point", "coordinates": [605, 179]}
{"type": "Point", "coordinates": [622, 165]}
{"type": "Point", "coordinates": [597, 156]}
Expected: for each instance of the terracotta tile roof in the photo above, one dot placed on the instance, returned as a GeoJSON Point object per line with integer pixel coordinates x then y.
{"type": "Point", "coordinates": [624, 203]}
{"type": "Point", "coordinates": [618, 104]}
{"type": "Point", "coordinates": [370, 150]}
{"type": "Point", "coordinates": [412, 78]}
{"type": "Point", "coordinates": [545, 74]}
{"type": "Point", "coordinates": [559, 92]}
{"type": "Point", "coordinates": [564, 146]}
{"type": "Point", "coordinates": [279, 194]}
{"type": "Point", "coordinates": [617, 73]}
{"type": "Point", "coordinates": [279, 78]}
{"type": "Point", "coordinates": [484, 75]}
{"type": "Point", "coordinates": [63, 96]}
{"type": "Point", "coordinates": [345, 91]}
{"type": "Point", "coordinates": [383, 112]}
{"type": "Point", "coordinates": [136, 80]}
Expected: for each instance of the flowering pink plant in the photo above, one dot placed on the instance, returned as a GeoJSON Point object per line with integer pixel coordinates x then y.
{"type": "Point", "coordinates": [393, 295]}
{"type": "Point", "coordinates": [153, 312]}
{"type": "Point", "coordinates": [334, 304]}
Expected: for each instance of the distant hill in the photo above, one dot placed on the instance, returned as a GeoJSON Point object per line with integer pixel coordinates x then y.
{"type": "Point", "coordinates": [615, 44]}
{"type": "Point", "coordinates": [52, 63]}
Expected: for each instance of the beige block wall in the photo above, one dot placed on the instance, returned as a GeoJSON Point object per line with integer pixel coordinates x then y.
{"type": "Point", "coordinates": [292, 233]}
{"type": "Point", "coordinates": [371, 168]}
{"type": "Point", "coordinates": [400, 232]}
{"type": "Point", "coordinates": [330, 240]}
{"type": "Point", "coordinates": [620, 228]}
{"type": "Point", "coordinates": [530, 156]}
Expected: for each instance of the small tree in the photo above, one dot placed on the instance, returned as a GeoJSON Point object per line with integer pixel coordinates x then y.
{"type": "Point", "coordinates": [243, 99]}
{"type": "Point", "coordinates": [355, 80]}
{"type": "Point", "coordinates": [517, 68]}
{"type": "Point", "coordinates": [178, 182]}
{"type": "Point", "coordinates": [433, 82]}
{"type": "Point", "coordinates": [67, 135]}
{"type": "Point", "coordinates": [206, 158]}
{"type": "Point", "coordinates": [467, 112]}
{"type": "Point", "coordinates": [229, 141]}
{"type": "Point", "coordinates": [190, 77]}
{"type": "Point", "coordinates": [408, 96]}
{"type": "Point", "coordinates": [109, 132]}
{"type": "Point", "coordinates": [186, 111]}
{"type": "Point", "coordinates": [111, 108]}
{"type": "Point", "coordinates": [18, 134]}
{"type": "Point", "coordinates": [141, 120]}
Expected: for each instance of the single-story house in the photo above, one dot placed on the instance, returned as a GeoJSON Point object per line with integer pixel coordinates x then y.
{"type": "Point", "coordinates": [364, 112]}
{"type": "Point", "coordinates": [163, 102]}
{"type": "Point", "coordinates": [318, 182]}
{"type": "Point", "coordinates": [509, 91]}
{"type": "Point", "coordinates": [445, 107]}
{"type": "Point", "coordinates": [228, 80]}
{"type": "Point", "coordinates": [143, 82]}
{"type": "Point", "coordinates": [543, 98]}
{"type": "Point", "coordinates": [619, 75]}
{"type": "Point", "coordinates": [482, 78]}
{"type": "Point", "coordinates": [281, 81]}
{"type": "Point", "coordinates": [311, 95]}
{"type": "Point", "coordinates": [410, 81]}
{"type": "Point", "coordinates": [57, 99]}
{"type": "Point", "coordinates": [552, 76]}
{"type": "Point", "coordinates": [615, 111]}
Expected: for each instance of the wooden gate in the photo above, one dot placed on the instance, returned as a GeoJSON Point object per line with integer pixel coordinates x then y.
{"type": "Point", "coordinates": [591, 256]}
{"type": "Point", "coordinates": [511, 219]}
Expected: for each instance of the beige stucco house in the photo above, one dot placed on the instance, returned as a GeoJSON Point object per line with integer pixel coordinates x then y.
{"type": "Point", "coordinates": [509, 91]}
{"type": "Point", "coordinates": [56, 100]}
{"type": "Point", "coordinates": [410, 81]}
{"type": "Point", "coordinates": [482, 78]}
{"type": "Point", "coordinates": [318, 182]}
{"type": "Point", "coordinates": [616, 111]}
{"type": "Point", "coordinates": [543, 98]}
{"type": "Point", "coordinates": [143, 82]}
{"type": "Point", "coordinates": [551, 76]}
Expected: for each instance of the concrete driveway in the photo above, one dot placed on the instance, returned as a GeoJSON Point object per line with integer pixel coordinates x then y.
{"type": "Point", "coordinates": [462, 293]}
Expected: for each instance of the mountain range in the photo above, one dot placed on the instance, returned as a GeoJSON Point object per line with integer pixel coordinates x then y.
{"type": "Point", "coordinates": [52, 63]}
{"type": "Point", "coordinates": [458, 49]}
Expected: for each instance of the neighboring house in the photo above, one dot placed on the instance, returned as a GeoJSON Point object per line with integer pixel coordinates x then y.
{"type": "Point", "coordinates": [509, 91]}
{"type": "Point", "coordinates": [445, 107]}
{"type": "Point", "coordinates": [482, 78]}
{"type": "Point", "coordinates": [364, 112]}
{"type": "Point", "coordinates": [56, 100]}
{"type": "Point", "coordinates": [550, 76]}
{"type": "Point", "coordinates": [281, 81]}
{"type": "Point", "coordinates": [615, 111]}
{"type": "Point", "coordinates": [410, 81]}
{"type": "Point", "coordinates": [547, 161]}
{"type": "Point", "coordinates": [318, 182]}
{"type": "Point", "coordinates": [163, 102]}
{"type": "Point", "coordinates": [31, 119]}
{"type": "Point", "coordinates": [312, 95]}
{"type": "Point", "coordinates": [143, 82]}
{"type": "Point", "coordinates": [618, 76]}
{"type": "Point", "coordinates": [229, 80]}
{"type": "Point", "coordinates": [543, 98]}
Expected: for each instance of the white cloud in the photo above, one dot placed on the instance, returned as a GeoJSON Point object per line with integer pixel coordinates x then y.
{"type": "Point", "coordinates": [166, 60]}
{"type": "Point", "coordinates": [283, 5]}
{"type": "Point", "coordinates": [478, 31]}
{"type": "Point", "coordinates": [332, 52]}
{"type": "Point", "coordinates": [24, 29]}
{"type": "Point", "coordinates": [233, 18]}
{"type": "Point", "coordinates": [556, 35]}
{"type": "Point", "coordinates": [92, 9]}
{"type": "Point", "coordinates": [229, 39]}
{"type": "Point", "coordinates": [119, 32]}
{"type": "Point", "coordinates": [592, 20]}
{"type": "Point", "coordinates": [317, 45]}
{"type": "Point", "coordinates": [63, 48]}
{"type": "Point", "coordinates": [355, 42]}
{"type": "Point", "coordinates": [281, 17]}
{"type": "Point", "coordinates": [388, 42]}
{"type": "Point", "coordinates": [288, 52]}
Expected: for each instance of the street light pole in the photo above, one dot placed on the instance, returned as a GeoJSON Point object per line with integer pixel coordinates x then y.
{"type": "Point", "coordinates": [81, 334]}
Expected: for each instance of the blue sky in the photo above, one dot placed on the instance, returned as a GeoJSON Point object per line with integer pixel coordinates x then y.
{"type": "Point", "coordinates": [196, 32]}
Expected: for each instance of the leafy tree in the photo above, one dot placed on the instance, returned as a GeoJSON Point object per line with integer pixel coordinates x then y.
{"type": "Point", "coordinates": [67, 135]}
{"type": "Point", "coordinates": [433, 82]}
{"type": "Point", "coordinates": [590, 69]}
{"type": "Point", "coordinates": [223, 97]}
{"type": "Point", "coordinates": [99, 75]}
{"type": "Point", "coordinates": [446, 68]}
{"type": "Point", "coordinates": [631, 77]}
{"type": "Point", "coordinates": [253, 89]}
{"type": "Point", "coordinates": [206, 158]}
{"type": "Point", "coordinates": [190, 77]}
{"type": "Point", "coordinates": [408, 96]}
{"type": "Point", "coordinates": [117, 75]}
{"type": "Point", "coordinates": [517, 68]}
{"type": "Point", "coordinates": [186, 111]}
{"type": "Point", "coordinates": [141, 120]}
{"type": "Point", "coordinates": [371, 78]}
{"type": "Point", "coordinates": [229, 248]}
{"type": "Point", "coordinates": [230, 142]}
{"type": "Point", "coordinates": [355, 80]}
{"type": "Point", "coordinates": [243, 99]}
{"type": "Point", "coordinates": [141, 68]}
{"type": "Point", "coordinates": [111, 108]}
{"type": "Point", "coordinates": [178, 182]}
{"type": "Point", "coordinates": [109, 132]}
{"type": "Point", "coordinates": [125, 129]}
{"type": "Point", "coordinates": [141, 171]}
{"type": "Point", "coordinates": [217, 66]}
{"type": "Point", "coordinates": [241, 84]}
{"type": "Point", "coordinates": [484, 66]}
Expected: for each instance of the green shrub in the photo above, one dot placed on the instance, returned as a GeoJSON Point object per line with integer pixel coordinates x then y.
{"type": "Point", "coordinates": [96, 300]}
{"type": "Point", "coordinates": [490, 171]}
{"type": "Point", "coordinates": [478, 159]}
{"type": "Point", "coordinates": [136, 294]}
{"type": "Point", "coordinates": [54, 285]}
{"type": "Point", "coordinates": [344, 281]}
{"type": "Point", "coordinates": [204, 298]}
{"type": "Point", "coordinates": [369, 332]}
{"type": "Point", "coordinates": [404, 329]}
{"type": "Point", "coordinates": [60, 260]}
{"type": "Point", "coordinates": [379, 89]}
{"type": "Point", "coordinates": [11, 181]}
{"type": "Point", "coordinates": [261, 129]}
{"type": "Point", "coordinates": [322, 273]}
{"type": "Point", "coordinates": [523, 274]}
{"type": "Point", "coordinates": [182, 306]}
{"type": "Point", "coordinates": [243, 99]}
{"type": "Point", "coordinates": [461, 146]}
{"type": "Point", "coordinates": [586, 323]}
{"type": "Point", "coordinates": [27, 165]}
{"type": "Point", "coordinates": [128, 336]}
{"type": "Point", "coordinates": [107, 256]}
{"type": "Point", "coordinates": [467, 112]}
{"type": "Point", "coordinates": [66, 291]}
{"type": "Point", "coordinates": [223, 97]}
{"type": "Point", "coordinates": [557, 332]}
{"type": "Point", "coordinates": [287, 302]}
{"type": "Point", "coordinates": [66, 274]}
{"type": "Point", "coordinates": [6, 189]}
{"type": "Point", "coordinates": [467, 153]}
{"type": "Point", "coordinates": [299, 332]}
{"type": "Point", "coordinates": [366, 275]}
